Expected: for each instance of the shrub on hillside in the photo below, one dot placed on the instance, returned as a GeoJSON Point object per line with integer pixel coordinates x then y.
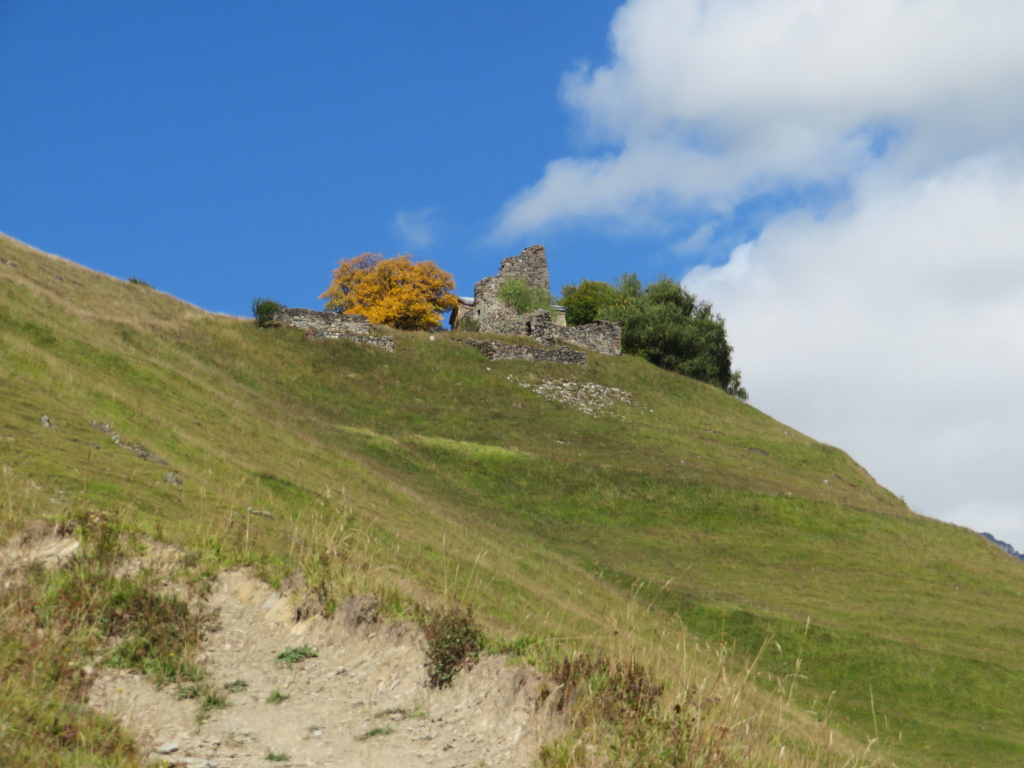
{"type": "Point", "coordinates": [515, 293]}
{"type": "Point", "coordinates": [263, 310]}
{"type": "Point", "coordinates": [454, 641]}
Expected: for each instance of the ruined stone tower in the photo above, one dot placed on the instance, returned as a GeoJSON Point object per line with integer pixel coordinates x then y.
{"type": "Point", "coordinates": [489, 314]}
{"type": "Point", "coordinates": [485, 313]}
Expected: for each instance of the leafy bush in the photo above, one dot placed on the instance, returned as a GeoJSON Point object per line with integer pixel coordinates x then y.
{"type": "Point", "coordinates": [264, 309]}
{"type": "Point", "coordinates": [515, 293]}
{"type": "Point", "coordinates": [454, 641]}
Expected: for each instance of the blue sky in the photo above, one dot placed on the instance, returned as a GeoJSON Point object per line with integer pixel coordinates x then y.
{"type": "Point", "coordinates": [844, 179]}
{"type": "Point", "coordinates": [231, 149]}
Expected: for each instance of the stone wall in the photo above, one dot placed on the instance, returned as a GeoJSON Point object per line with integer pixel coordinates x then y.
{"type": "Point", "coordinates": [332, 325]}
{"type": "Point", "coordinates": [505, 320]}
{"type": "Point", "coordinates": [496, 350]}
{"type": "Point", "coordinates": [602, 336]}
{"type": "Point", "coordinates": [530, 266]}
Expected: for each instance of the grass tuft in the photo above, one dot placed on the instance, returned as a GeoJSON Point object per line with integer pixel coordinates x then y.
{"type": "Point", "coordinates": [276, 697]}
{"type": "Point", "coordinates": [384, 730]}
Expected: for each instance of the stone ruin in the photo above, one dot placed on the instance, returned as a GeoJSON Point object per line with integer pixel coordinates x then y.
{"type": "Point", "coordinates": [496, 350]}
{"type": "Point", "coordinates": [489, 315]}
{"type": "Point", "coordinates": [332, 325]}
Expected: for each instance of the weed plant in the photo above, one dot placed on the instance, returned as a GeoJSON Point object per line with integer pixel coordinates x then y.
{"type": "Point", "coordinates": [454, 642]}
{"type": "Point", "coordinates": [384, 730]}
{"type": "Point", "coordinates": [264, 310]}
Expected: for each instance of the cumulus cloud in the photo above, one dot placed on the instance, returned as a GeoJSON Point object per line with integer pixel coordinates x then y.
{"type": "Point", "coordinates": [415, 228]}
{"type": "Point", "coordinates": [708, 102]}
{"type": "Point", "coordinates": [891, 328]}
{"type": "Point", "coordinates": [887, 321]}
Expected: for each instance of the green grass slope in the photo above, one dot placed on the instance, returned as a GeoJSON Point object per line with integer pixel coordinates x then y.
{"type": "Point", "coordinates": [454, 479]}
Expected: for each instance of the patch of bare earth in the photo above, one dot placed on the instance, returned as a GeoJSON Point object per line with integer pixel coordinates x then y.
{"type": "Point", "coordinates": [363, 700]}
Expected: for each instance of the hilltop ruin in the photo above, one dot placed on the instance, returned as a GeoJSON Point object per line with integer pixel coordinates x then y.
{"type": "Point", "coordinates": [487, 314]}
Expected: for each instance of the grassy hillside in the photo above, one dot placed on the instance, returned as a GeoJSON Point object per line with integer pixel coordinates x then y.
{"type": "Point", "coordinates": [689, 521]}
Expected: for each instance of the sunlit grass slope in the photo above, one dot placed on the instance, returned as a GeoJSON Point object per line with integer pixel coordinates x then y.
{"type": "Point", "coordinates": [460, 481]}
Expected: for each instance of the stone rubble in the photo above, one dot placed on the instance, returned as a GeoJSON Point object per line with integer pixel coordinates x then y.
{"type": "Point", "coordinates": [586, 396]}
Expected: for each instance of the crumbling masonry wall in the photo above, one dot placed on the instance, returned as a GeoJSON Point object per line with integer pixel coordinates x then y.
{"type": "Point", "coordinates": [602, 336]}
{"type": "Point", "coordinates": [332, 325]}
{"type": "Point", "coordinates": [496, 350]}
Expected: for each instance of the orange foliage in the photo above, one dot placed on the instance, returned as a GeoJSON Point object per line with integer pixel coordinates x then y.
{"type": "Point", "coordinates": [398, 292]}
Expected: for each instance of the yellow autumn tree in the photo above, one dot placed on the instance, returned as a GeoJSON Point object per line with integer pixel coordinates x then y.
{"type": "Point", "coordinates": [400, 292]}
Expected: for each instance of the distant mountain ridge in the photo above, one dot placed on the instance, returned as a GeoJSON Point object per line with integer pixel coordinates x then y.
{"type": "Point", "coordinates": [1007, 548]}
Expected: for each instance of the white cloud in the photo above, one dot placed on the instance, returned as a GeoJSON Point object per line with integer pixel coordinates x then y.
{"type": "Point", "coordinates": [892, 329]}
{"type": "Point", "coordinates": [697, 239]}
{"type": "Point", "coordinates": [415, 228]}
{"type": "Point", "coordinates": [708, 102]}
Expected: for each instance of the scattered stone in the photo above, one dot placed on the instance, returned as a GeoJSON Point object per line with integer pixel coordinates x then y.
{"type": "Point", "coordinates": [260, 513]}
{"type": "Point", "coordinates": [139, 451]}
{"type": "Point", "coordinates": [592, 399]}
{"type": "Point", "coordinates": [194, 762]}
{"type": "Point", "coordinates": [135, 448]}
{"type": "Point", "coordinates": [11, 263]}
{"type": "Point", "coordinates": [173, 479]}
{"type": "Point", "coordinates": [168, 748]}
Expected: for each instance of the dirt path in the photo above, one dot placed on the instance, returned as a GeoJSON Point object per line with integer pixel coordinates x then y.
{"type": "Point", "coordinates": [362, 701]}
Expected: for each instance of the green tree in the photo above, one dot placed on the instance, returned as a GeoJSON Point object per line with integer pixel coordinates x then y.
{"type": "Point", "coordinates": [584, 302]}
{"type": "Point", "coordinates": [663, 323]}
